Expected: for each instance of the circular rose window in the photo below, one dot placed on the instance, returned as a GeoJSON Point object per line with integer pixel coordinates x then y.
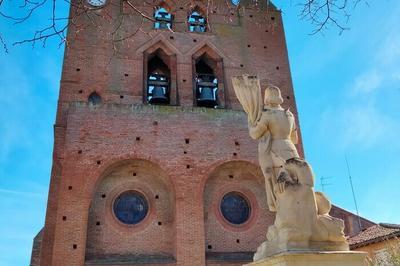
{"type": "Point", "coordinates": [235, 208]}
{"type": "Point", "coordinates": [131, 207]}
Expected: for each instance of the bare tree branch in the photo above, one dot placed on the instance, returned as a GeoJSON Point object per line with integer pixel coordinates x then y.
{"type": "Point", "coordinates": [322, 14]}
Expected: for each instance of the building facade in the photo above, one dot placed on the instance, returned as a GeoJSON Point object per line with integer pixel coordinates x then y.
{"type": "Point", "coordinates": [152, 161]}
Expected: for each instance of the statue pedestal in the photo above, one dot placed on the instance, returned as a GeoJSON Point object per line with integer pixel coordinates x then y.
{"type": "Point", "coordinates": [341, 258]}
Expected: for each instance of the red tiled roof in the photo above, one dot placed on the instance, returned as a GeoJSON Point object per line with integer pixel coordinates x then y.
{"type": "Point", "coordinates": [373, 234]}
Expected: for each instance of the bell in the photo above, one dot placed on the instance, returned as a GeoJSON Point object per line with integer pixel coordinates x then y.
{"type": "Point", "coordinates": [206, 97]}
{"type": "Point", "coordinates": [159, 95]}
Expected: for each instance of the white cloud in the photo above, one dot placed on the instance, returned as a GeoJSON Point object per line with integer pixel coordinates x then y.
{"type": "Point", "coordinates": [367, 82]}
{"type": "Point", "coordinates": [359, 127]}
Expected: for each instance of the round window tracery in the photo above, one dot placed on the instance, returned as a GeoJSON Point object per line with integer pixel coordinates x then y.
{"type": "Point", "coordinates": [131, 207]}
{"type": "Point", "coordinates": [235, 208]}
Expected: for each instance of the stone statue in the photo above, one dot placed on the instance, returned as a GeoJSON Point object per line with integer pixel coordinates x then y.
{"type": "Point", "coordinates": [302, 220]}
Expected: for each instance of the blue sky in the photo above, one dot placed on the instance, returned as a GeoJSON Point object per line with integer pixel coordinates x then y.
{"type": "Point", "coordinates": [347, 88]}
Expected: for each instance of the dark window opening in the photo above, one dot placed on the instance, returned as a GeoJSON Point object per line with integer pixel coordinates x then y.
{"type": "Point", "coordinates": [206, 85]}
{"type": "Point", "coordinates": [163, 19]}
{"type": "Point", "coordinates": [197, 22]}
{"type": "Point", "coordinates": [235, 208]}
{"type": "Point", "coordinates": [94, 99]}
{"type": "Point", "coordinates": [158, 82]}
{"type": "Point", "coordinates": [131, 207]}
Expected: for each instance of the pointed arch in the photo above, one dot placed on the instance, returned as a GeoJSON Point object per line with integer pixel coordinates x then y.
{"type": "Point", "coordinates": [160, 74]}
{"type": "Point", "coordinates": [163, 16]}
{"type": "Point", "coordinates": [169, 5]}
{"type": "Point", "coordinates": [208, 77]}
{"type": "Point", "coordinates": [197, 20]}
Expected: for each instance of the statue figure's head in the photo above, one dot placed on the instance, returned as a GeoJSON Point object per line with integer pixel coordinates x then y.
{"type": "Point", "coordinates": [273, 96]}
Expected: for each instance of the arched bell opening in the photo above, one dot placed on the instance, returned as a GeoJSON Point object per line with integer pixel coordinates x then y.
{"type": "Point", "coordinates": [158, 79]}
{"type": "Point", "coordinates": [197, 21]}
{"type": "Point", "coordinates": [206, 82]}
{"type": "Point", "coordinates": [163, 19]}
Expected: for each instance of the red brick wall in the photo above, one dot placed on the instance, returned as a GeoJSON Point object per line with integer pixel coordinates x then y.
{"type": "Point", "coordinates": [97, 148]}
{"type": "Point", "coordinates": [220, 235]}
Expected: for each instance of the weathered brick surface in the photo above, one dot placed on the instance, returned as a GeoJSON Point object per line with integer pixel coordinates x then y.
{"type": "Point", "coordinates": [187, 156]}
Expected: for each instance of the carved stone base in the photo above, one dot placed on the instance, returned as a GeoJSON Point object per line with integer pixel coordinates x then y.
{"type": "Point", "coordinates": [333, 258]}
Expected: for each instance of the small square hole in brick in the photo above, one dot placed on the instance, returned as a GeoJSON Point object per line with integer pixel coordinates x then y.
{"type": "Point", "coordinates": [80, 91]}
{"type": "Point", "coordinates": [237, 143]}
{"type": "Point", "coordinates": [69, 187]}
{"type": "Point", "coordinates": [241, 65]}
{"type": "Point", "coordinates": [185, 152]}
{"type": "Point", "coordinates": [266, 31]}
{"type": "Point", "coordinates": [97, 223]}
{"type": "Point", "coordinates": [134, 174]}
{"type": "Point", "coordinates": [103, 196]}
{"type": "Point", "coordinates": [277, 68]}
{"type": "Point", "coordinates": [78, 69]}
{"type": "Point", "coordinates": [181, 8]}
{"type": "Point", "coordinates": [209, 247]}
{"type": "Point", "coordinates": [288, 97]}
{"type": "Point", "coordinates": [171, 37]}
{"type": "Point", "coordinates": [194, 40]}
{"type": "Point", "coordinates": [137, 138]}
{"type": "Point", "coordinates": [64, 218]}
{"type": "Point", "coordinates": [121, 96]}
{"type": "Point", "coordinates": [159, 223]}
{"type": "Point", "coordinates": [187, 166]}
{"type": "Point", "coordinates": [234, 154]}
{"type": "Point", "coordinates": [157, 197]}
{"type": "Point", "coordinates": [80, 152]}
{"type": "Point", "coordinates": [249, 45]}
{"type": "Point", "coordinates": [155, 123]}
{"type": "Point", "coordinates": [184, 80]}
{"type": "Point", "coordinates": [74, 246]}
{"type": "Point", "coordinates": [126, 74]}
{"type": "Point", "coordinates": [231, 176]}
{"type": "Point", "coordinates": [251, 16]}
{"type": "Point", "coordinates": [187, 141]}
{"type": "Point", "coordinates": [99, 162]}
{"type": "Point", "coordinates": [272, 18]}
{"type": "Point", "coordinates": [238, 241]}
{"type": "Point", "coordinates": [265, 47]}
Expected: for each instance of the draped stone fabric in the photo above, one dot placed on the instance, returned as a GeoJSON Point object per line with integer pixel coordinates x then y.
{"type": "Point", "coordinates": [248, 91]}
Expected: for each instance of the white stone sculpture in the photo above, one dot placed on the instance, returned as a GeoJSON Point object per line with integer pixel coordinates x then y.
{"type": "Point", "coordinates": [302, 220]}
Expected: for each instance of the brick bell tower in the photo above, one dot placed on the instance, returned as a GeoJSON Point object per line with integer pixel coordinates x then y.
{"type": "Point", "coordinates": [152, 161]}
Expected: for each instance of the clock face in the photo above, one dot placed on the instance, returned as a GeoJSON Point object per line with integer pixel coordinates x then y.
{"type": "Point", "coordinates": [96, 3]}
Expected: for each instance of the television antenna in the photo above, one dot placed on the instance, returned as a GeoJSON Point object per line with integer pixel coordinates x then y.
{"type": "Point", "coordinates": [325, 182]}
{"type": "Point", "coordinates": [352, 190]}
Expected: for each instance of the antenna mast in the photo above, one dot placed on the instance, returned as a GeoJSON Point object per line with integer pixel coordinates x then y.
{"type": "Point", "coordinates": [323, 183]}
{"type": "Point", "coordinates": [352, 190]}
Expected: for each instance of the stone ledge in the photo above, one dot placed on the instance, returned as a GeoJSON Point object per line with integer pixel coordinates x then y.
{"type": "Point", "coordinates": [345, 258]}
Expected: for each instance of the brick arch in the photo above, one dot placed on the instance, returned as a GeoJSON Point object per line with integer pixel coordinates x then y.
{"type": "Point", "coordinates": [169, 5]}
{"type": "Point", "coordinates": [108, 167]}
{"type": "Point", "coordinates": [222, 164]}
{"type": "Point", "coordinates": [132, 242]}
{"type": "Point", "coordinates": [222, 237]}
{"type": "Point", "coordinates": [197, 5]}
